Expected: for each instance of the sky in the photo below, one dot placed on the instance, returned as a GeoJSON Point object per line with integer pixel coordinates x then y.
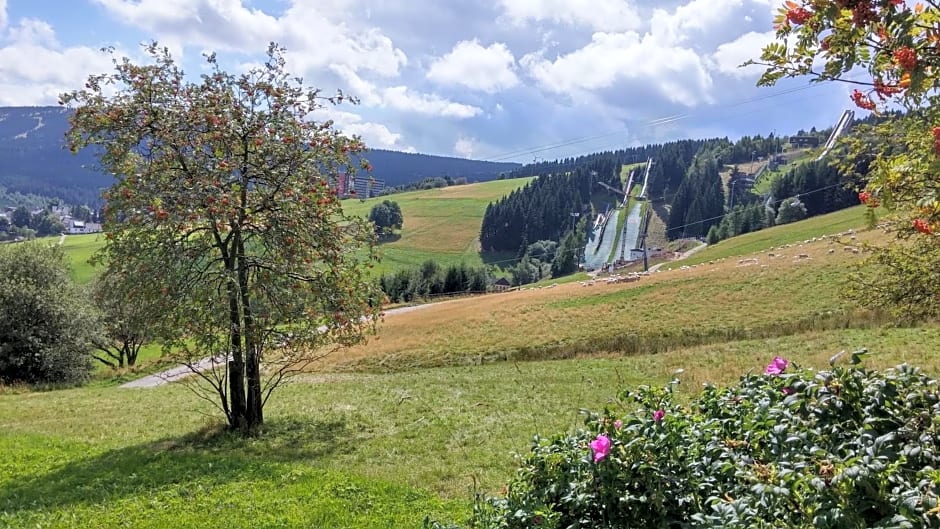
{"type": "Point", "coordinates": [504, 80]}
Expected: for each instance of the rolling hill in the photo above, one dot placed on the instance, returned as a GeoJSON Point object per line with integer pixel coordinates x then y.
{"type": "Point", "coordinates": [441, 224]}
{"type": "Point", "coordinates": [370, 440]}
{"type": "Point", "coordinates": [33, 160]}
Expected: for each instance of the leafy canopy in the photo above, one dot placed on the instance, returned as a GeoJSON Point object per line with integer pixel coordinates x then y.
{"type": "Point", "coordinates": [224, 221]}
{"type": "Point", "coordinates": [46, 323]}
{"type": "Point", "coordinates": [888, 50]}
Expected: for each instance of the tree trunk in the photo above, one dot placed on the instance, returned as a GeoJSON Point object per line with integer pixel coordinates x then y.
{"type": "Point", "coordinates": [236, 366]}
{"type": "Point", "coordinates": [254, 412]}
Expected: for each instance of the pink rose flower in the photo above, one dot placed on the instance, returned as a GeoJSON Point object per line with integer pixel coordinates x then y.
{"type": "Point", "coordinates": [618, 424]}
{"type": "Point", "coordinates": [776, 366]}
{"type": "Point", "coordinates": [601, 447]}
{"type": "Point", "coordinates": [658, 415]}
{"type": "Point", "coordinates": [787, 391]}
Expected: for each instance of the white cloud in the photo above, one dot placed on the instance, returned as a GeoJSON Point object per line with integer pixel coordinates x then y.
{"type": "Point", "coordinates": [694, 21]}
{"type": "Point", "coordinates": [600, 15]}
{"type": "Point", "coordinates": [356, 86]}
{"type": "Point", "coordinates": [35, 70]}
{"type": "Point", "coordinates": [315, 34]}
{"type": "Point", "coordinates": [465, 147]}
{"type": "Point", "coordinates": [730, 55]}
{"type": "Point", "coordinates": [469, 64]}
{"type": "Point", "coordinates": [677, 74]}
{"type": "Point", "coordinates": [403, 98]}
{"type": "Point", "coordinates": [3, 14]}
{"type": "Point", "coordinates": [373, 134]}
{"type": "Point", "coordinates": [33, 31]}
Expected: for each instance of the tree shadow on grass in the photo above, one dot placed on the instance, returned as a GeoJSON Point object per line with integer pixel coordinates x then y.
{"type": "Point", "coordinates": [207, 458]}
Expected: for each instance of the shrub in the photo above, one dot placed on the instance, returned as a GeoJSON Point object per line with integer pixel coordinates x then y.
{"type": "Point", "coordinates": [46, 324]}
{"type": "Point", "coordinates": [848, 447]}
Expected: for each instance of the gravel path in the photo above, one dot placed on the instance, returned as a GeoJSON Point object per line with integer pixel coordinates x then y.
{"type": "Point", "coordinates": [685, 255]}
{"type": "Point", "coordinates": [180, 372]}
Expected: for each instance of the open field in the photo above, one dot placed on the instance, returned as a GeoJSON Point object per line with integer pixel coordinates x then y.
{"type": "Point", "coordinates": [794, 158]}
{"type": "Point", "coordinates": [627, 167]}
{"type": "Point", "coordinates": [357, 450]}
{"type": "Point", "coordinates": [425, 414]}
{"type": "Point", "coordinates": [441, 224]}
{"type": "Point", "coordinates": [667, 310]}
{"type": "Point", "coordinates": [79, 249]}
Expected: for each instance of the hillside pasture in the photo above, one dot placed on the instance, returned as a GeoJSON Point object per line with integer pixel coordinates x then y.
{"type": "Point", "coordinates": [345, 450]}
{"type": "Point", "coordinates": [709, 303]}
{"type": "Point", "coordinates": [441, 224]}
{"type": "Point", "coordinates": [794, 233]}
{"type": "Point", "coordinates": [377, 436]}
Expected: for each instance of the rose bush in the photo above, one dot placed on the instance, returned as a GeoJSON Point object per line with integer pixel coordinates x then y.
{"type": "Point", "coordinates": [846, 447]}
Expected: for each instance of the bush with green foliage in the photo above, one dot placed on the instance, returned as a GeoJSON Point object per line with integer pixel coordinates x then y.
{"type": "Point", "coordinates": [791, 210]}
{"type": "Point", "coordinates": [432, 279]}
{"type": "Point", "coordinates": [386, 216]}
{"type": "Point", "coordinates": [844, 448]}
{"type": "Point", "coordinates": [46, 324]}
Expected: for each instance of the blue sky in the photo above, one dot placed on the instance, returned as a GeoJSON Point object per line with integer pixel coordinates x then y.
{"type": "Point", "coordinates": [492, 79]}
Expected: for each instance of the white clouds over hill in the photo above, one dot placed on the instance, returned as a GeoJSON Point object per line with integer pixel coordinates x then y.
{"type": "Point", "coordinates": [469, 64]}
{"type": "Point", "coordinates": [480, 78]}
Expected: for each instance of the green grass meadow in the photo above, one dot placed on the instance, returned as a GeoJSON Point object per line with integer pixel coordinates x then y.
{"type": "Point", "coordinates": [441, 224]}
{"type": "Point", "coordinates": [749, 243]}
{"type": "Point", "coordinates": [434, 409]}
{"type": "Point", "coordinates": [356, 450]}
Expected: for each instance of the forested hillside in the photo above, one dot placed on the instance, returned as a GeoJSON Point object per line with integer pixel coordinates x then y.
{"type": "Point", "coordinates": [685, 178]}
{"type": "Point", "coordinates": [33, 160]}
{"type": "Point", "coordinates": [398, 168]}
{"type": "Point", "coordinates": [542, 210]}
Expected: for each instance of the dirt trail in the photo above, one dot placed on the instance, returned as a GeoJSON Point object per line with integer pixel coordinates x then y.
{"type": "Point", "coordinates": [180, 372]}
{"type": "Point", "coordinates": [685, 255]}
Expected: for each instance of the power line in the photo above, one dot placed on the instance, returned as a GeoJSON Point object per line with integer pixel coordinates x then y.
{"type": "Point", "coordinates": [652, 123]}
{"type": "Point", "coordinates": [810, 192]}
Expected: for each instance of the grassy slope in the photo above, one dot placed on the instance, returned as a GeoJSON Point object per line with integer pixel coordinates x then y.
{"type": "Point", "coordinates": [441, 224]}
{"type": "Point", "coordinates": [795, 158]}
{"type": "Point", "coordinates": [343, 451]}
{"type": "Point", "coordinates": [660, 312]}
{"type": "Point", "coordinates": [831, 223]}
{"type": "Point", "coordinates": [382, 450]}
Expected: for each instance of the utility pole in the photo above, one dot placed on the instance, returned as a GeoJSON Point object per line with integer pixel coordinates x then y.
{"type": "Point", "coordinates": [646, 226]}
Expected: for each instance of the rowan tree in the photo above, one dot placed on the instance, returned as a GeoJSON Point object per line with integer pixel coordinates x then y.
{"type": "Point", "coordinates": [223, 219]}
{"type": "Point", "coordinates": [889, 52]}
{"type": "Point", "coordinates": [124, 326]}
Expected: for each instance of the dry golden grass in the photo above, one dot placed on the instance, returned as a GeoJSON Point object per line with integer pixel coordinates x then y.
{"type": "Point", "coordinates": [709, 303]}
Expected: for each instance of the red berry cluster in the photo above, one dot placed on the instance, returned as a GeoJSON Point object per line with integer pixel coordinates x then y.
{"type": "Point", "coordinates": [922, 226]}
{"type": "Point", "coordinates": [885, 90]}
{"type": "Point", "coordinates": [863, 11]}
{"type": "Point", "coordinates": [799, 15]}
{"type": "Point", "coordinates": [866, 198]}
{"type": "Point", "coordinates": [862, 101]}
{"type": "Point", "coordinates": [936, 140]}
{"type": "Point", "coordinates": [906, 58]}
